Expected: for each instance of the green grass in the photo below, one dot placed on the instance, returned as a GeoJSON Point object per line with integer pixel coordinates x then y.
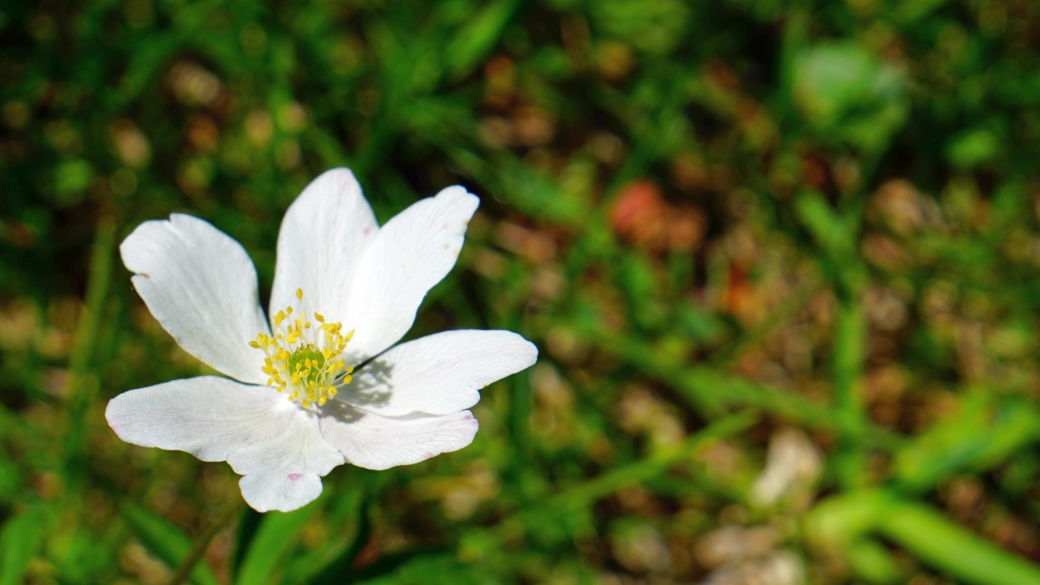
{"type": "Point", "coordinates": [732, 228]}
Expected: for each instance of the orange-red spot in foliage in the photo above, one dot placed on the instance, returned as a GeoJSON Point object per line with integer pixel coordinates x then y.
{"type": "Point", "coordinates": [737, 290]}
{"type": "Point", "coordinates": [641, 215]}
{"type": "Point", "coordinates": [815, 171]}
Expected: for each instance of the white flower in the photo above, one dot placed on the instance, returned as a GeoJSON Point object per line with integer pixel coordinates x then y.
{"type": "Point", "coordinates": [320, 385]}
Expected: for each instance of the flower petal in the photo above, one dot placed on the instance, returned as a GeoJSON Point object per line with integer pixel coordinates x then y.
{"type": "Point", "coordinates": [412, 253]}
{"type": "Point", "coordinates": [378, 442]}
{"type": "Point", "coordinates": [438, 374]}
{"type": "Point", "coordinates": [201, 286]}
{"type": "Point", "coordinates": [277, 491]}
{"type": "Point", "coordinates": [274, 443]}
{"type": "Point", "coordinates": [322, 239]}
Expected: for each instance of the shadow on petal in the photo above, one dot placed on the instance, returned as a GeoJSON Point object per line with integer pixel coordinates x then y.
{"type": "Point", "coordinates": [342, 411]}
{"type": "Point", "coordinates": [371, 385]}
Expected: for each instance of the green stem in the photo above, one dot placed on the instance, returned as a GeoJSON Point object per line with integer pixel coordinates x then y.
{"type": "Point", "coordinates": [848, 358]}
{"type": "Point", "coordinates": [849, 354]}
{"type": "Point", "coordinates": [201, 545]}
{"type": "Point", "coordinates": [82, 385]}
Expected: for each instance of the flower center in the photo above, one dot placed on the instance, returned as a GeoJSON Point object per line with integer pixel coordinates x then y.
{"type": "Point", "coordinates": [304, 359]}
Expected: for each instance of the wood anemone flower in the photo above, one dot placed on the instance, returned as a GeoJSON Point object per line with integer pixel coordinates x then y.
{"type": "Point", "coordinates": [295, 403]}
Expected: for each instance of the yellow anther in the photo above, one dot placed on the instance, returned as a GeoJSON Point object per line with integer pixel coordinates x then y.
{"type": "Point", "coordinates": [301, 362]}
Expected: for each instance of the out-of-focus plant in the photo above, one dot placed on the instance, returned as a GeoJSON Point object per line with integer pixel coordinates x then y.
{"type": "Point", "coordinates": [780, 261]}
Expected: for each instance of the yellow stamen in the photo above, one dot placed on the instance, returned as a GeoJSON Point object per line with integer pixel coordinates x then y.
{"type": "Point", "coordinates": [302, 362]}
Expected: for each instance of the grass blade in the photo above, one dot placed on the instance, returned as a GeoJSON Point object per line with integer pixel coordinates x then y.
{"type": "Point", "coordinates": [20, 539]}
{"type": "Point", "coordinates": [165, 540]}
{"type": "Point", "coordinates": [271, 542]}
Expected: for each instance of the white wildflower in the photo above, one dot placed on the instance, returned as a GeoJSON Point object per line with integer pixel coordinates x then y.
{"type": "Point", "coordinates": [322, 384]}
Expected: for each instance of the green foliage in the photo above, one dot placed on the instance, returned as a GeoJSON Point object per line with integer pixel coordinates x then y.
{"type": "Point", "coordinates": [780, 261]}
{"type": "Point", "coordinates": [849, 94]}
{"type": "Point", "coordinates": [20, 541]}
{"type": "Point", "coordinates": [164, 540]}
{"type": "Point", "coordinates": [270, 543]}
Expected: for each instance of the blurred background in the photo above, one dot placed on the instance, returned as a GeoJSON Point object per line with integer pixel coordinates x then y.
{"type": "Point", "coordinates": [780, 259]}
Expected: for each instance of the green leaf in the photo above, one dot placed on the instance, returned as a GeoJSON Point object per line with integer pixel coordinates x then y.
{"type": "Point", "coordinates": [248, 525]}
{"type": "Point", "coordinates": [347, 515]}
{"type": "Point", "coordinates": [165, 540]}
{"type": "Point", "coordinates": [841, 523]}
{"type": "Point", "coordinates": [20, 539]}
{"type": "Point", "coordinates": [955, 551]}
{"type": "Point", "coordinates": [973, 147]}
{"type": "Point", "coordinates": [479, 36]}
{"type": "Point", "coordinates": [656, 26]}
{"type": "Point", "coordinates": [823, 222]}
{"type": "Point", "coordinates": [272, 540]}
{"type": "Point", "coordinates": [845, 91]}
{"type": "Point", "coordinates": [838, 522]}
{"type": "Point", "coordinates": [873, 562]}
{"type": "Point", "coordinates": [979, 436]}
{"type": "Point", "coordinates": [338, 570]}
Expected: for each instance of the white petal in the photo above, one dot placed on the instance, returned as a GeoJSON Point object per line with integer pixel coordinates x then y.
{"type": "Point", "coordinates": [201, 286]}
{"type": "Point", "coordinates": [412, 253]}
{"type": "Point", "coordinates": [276, 491]}
{"type": "Point", "coordinates": [377, 442]}
{"type": "Point", "coordinates": [322, 238]}
{"type": "Point", "coordinates": [274, 443]}
{"type": "Point", "coordinates": [438, 374]}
